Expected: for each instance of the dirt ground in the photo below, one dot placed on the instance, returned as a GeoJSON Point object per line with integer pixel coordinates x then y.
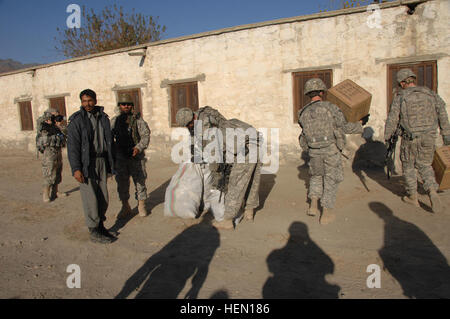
{"type": "Point", "coordinates": [283, 254]}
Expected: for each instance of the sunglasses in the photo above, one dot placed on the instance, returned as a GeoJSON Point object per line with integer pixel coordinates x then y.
{"type": "Point", "coordinates": [126, 104]}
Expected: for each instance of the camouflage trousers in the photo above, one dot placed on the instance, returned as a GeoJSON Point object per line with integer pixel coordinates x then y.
{"type": "Point", "coordinates": [326, 173]}
{"type": "Point", "coordinates": [52, 166]}
{"type": "Point", "coordinates": [243, 188]}
{"type": "Point", "coordinates": [135, 168]}
{"type": "Point", "coordinates": [418, 154]}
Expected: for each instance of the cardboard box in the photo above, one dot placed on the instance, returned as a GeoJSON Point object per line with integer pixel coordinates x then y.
{"type": "Point", "coordinates": [441, 166]}
{"type": "Point", "coordinates": [352, 99]}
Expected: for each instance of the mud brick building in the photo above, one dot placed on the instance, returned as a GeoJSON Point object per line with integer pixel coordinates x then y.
{"type": "Point", "coordinates": [252, 72]}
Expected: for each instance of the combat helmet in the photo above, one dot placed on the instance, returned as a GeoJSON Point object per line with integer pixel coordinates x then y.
{"type": "Point", "coordinates": [403, 74]}
{"type": "Point", "coordinates": [125, 98]}
{"type": "Point", "coordinates": [184, 116]}
{"type": "Point", "coordinates": [51, 110]}
{"type": "Point", "coordinates": [314, 84]}
{"type": "Point", "coordinates": [47, 116]}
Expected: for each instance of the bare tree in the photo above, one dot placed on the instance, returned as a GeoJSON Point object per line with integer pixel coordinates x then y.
{"type": "Point", "coordinates": [108, 30]}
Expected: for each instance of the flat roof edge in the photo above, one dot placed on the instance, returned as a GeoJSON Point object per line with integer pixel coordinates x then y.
{"type": "Point", "coordinates": [315, 16]}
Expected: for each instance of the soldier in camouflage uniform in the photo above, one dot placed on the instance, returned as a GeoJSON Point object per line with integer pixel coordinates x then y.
{"type": "Point", "coordinates": [419, 112]}
{"type": "Point", "coordinates": [51, 138]}
{"type": "Point", "coordinates": [242, 183]}
{"type": "Point", "coordinates": [323, 136]}
{"type": "Point", "coordinates": [131, 137]}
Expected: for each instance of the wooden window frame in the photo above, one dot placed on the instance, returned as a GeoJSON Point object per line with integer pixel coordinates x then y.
{"type": "Point", "coordinates": [191, 99]}
{"type": "Point", "coordinates": [55, 102]}
{"type": "Point", "coordinates": [414, 66]}
{"type": "Point", "coordinates": [26, 122]}
{"type": "Point", "coordinates": [298, 83]}
{"type": "Point", "coordinates": [136, 95]}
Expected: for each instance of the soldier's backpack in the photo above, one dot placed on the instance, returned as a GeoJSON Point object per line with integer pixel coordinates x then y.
{"type": "Point", "coordinates": [418, 111]}
{"type": "Point", "coordinates": [317, 123]}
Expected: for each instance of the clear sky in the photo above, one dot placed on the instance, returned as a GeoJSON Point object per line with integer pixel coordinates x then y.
{"type": "Point", "coordinates": [28, 27]}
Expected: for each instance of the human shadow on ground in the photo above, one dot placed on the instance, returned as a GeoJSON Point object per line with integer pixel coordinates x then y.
{"type": "Point", "coordinates": [220, 294]}
{"type": "Point", "coordinates": [165, 274]}
{"type": "Point", "coordinates": [73, 190]}
{"type": "Point", "coordinates": [369, 161]}
{"type": "Point", "coordinates": [299, 269]}
{"type": "Point", "coordinates": [412, 258]}
{"type": "Point", "coordinates": [303, 171]}
{"type": "Point", "coordinates": [265, 187]}
{"type": "Point", "coordinates": [155, 198]}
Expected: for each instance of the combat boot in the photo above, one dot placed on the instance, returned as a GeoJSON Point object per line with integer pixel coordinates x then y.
{"type": "Point", "coordinates": [110, 234]}
{"type": "Point", "coordinates": [411, 199]}
{"type": "Point", "coordinates": [96, 236]}
{"type": "Point", "coordinates": [313, 207]}
{"type": "Point", "coordinates": [435, 201]}
{"type": "Point", "coordinates": [141, 208]}
{"type": "Point", "coordinates": [125, 211]}
{"type": "Point", "coordinates": [249, 214]}
{"type": "Point", "coordinates": [327, 216]}
{"type": "Point", "coordinates": [46, 194]}
{"type": "Point", "coordinates": [224, 224]}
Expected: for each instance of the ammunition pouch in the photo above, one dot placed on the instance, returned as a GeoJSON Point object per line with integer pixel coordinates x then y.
{"type": "Point", "coordinates": [320, 142]}
{"type": "Point", "coordinates": [410, 136]}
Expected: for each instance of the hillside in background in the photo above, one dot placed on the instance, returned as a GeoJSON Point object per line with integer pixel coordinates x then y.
{"type": "Point", "coordinates": [11, 65]}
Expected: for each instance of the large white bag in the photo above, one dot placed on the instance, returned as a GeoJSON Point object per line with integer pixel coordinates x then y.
{"type": "Point", "coordinates": [185, 192]}
{"type": "Point", "coordinates": [188, 187]}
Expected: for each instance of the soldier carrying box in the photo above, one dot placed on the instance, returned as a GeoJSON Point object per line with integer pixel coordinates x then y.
{"type": "Point", "coordinates": [419, 111]}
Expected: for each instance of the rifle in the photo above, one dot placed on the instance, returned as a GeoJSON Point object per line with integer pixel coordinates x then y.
{"type": "Point", "coordinates": [390, 154]}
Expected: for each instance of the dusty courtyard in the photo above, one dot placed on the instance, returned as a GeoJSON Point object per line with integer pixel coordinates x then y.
{"type": "Point", "coordinates": [283, 254]}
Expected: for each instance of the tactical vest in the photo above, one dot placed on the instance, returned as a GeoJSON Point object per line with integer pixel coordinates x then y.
{"type": "Point", "coordinates": [318, 125]}
{"type": "Point", "coordinates": [418, 111]}
{"type": "Point", "coordinates": [254, 136]}
{"type": "Point", "coordinates": [211, 117]}
{"type": "Point", "coordinates": [126, 133]}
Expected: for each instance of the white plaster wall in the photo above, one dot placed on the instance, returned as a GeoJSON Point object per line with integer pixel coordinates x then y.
{"type": "Point", "coordinates": [100, 74]}
{"type": "Point", "coordinates": [246, 70]}
{"type": "Point", "coordinates": [248, 73]}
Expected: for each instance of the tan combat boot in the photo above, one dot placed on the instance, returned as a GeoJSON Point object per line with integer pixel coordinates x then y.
{"type": "Point", "coordinates": [249, 213]}
{"type": "Point", "coordinates": [411, 199]}
{"type": "Point", "coordinates": [125, 211]}
{"type": "Point", "coordinates": [327, 216]}
{"type": "Point", "coordinates": [435, 201]}
{"type": "Point", "coordinates": [313, 207]}
{"type": "Point", "coordinates": [224, 224]}
{"type": "Point", "coordinates": [46, 194]}
{"type": "Point", "coordinates": [141, 208]}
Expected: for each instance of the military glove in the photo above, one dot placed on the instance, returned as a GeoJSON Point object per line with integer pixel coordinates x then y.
{"type": "Point", "coordinates": [365, 119]}
{"type": "Point", "coordinates": [446, 139]}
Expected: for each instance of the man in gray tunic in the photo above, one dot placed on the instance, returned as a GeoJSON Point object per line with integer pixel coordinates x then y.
{"type": "Point", "coordinates": [419, 112]}
{"type": "Point", "coordinates": [89, 148]}
{"type": "Point", "coordinates": [131, 136]}
{"type": "Point", "coordinates": [323, 136]}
